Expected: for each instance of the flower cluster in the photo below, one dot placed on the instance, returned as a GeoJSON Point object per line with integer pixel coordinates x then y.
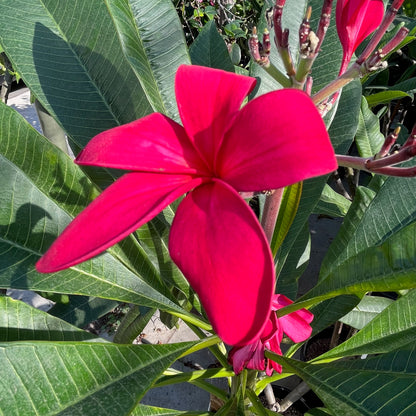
{"type": "Point", "coordinates": [295, 325]}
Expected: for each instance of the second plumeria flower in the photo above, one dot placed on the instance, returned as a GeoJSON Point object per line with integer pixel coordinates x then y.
{"type": "Point", "coordinates": [356, 19]}
{"type": "Point", "coordinates": [221, 149]}
{"type": "Point", "coordinates": [295, 325]}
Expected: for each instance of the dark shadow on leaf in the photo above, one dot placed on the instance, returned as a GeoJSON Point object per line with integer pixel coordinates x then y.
{"type": "Point", "coordinates": [21, 246]}
{"type": "Point", "coordinates": [80, 96]}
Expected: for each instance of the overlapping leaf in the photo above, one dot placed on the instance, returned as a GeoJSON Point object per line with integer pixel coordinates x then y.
{"type": "Point", "coordinates": [41, 190]}
{"type": "Point", "coordinates": [384, 385]}
{"type": "Point", "coordinates": [390, 266]}
{"type": "Point", "coordinates": [83, 379]}
{"type": "Point", "coordinates": [373, 220]}
{"type": "Point", "coordinates": [77, 71]}
{"type": "Point", "coordinates": [209, 49]}
{"type": "Point", "coordinates": [392, 328]}
{"type": "Point", "coordinates": [20, 322]}
{"type": "Point", "coordinates": [369, 138]}
{"type": "Point", "coordinates": [152, 39]}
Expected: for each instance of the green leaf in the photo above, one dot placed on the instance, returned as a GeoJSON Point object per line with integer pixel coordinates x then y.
{"type": "Point", "coordinates": [154, 50]}
{"type": "Point", "coordinates": [365, 311]}
{"type": "Point", "coordinates": [79, 378]}
{"type": "Point", "coordinates": [21, 322]}
{"type": "Point", "coordinates": [409, 86]}
{"type": "Point", "coordinates": [143, 410]}
{"type": "Point", "coordinates": [77, 71]}
{"type": "Point", "coordinates": [81, 310]}
{"type": "Point", "coordinates": [390, 266]}
{"type": "Point", "coordinates": [332, 203]}
{"type": "Point", "coordinates": [385, 97]}
{"type": "Point", "coordinates": [327, 312]}
{"type": "Point", "coordinates": [392, 328]}
{"type": "Point", "coordinates": [295, 264]}
{"type": "Point", "coordinates": [372, 219]}
{"type": "Point", "coordinates": [382, 386]}
{"type": "Point", "coordinates": [209, 50]}
{"type": "Point", "coordinates": [368, 138]}
{"type": "Point", "coordinates": [287, 212]}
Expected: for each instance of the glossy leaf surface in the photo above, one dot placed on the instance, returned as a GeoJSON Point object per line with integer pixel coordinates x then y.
{"type": "Point", "coordinates": [107, 379]}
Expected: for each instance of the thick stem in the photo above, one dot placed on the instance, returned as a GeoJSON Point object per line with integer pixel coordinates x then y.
{"type": "Point", "coordinates": [355, 71]}
{"type": "Point", "coordinates": [279, 76]}
{"type": "Point", "coordinates": [270, 212]}
{"type": "Point", "coordinates": [293, 396]}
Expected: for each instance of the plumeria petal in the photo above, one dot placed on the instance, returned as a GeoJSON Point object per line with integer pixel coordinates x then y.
{"type": "Point", "coordinates": [274, 346]}
{"type": "Point", "coordinates": [276, 140]}
{"type": "Point", "coordinates": [355, 20]}
{"type": "Point", "coordinates": [208, 100]}
{"type": "Point", "coordinates": [257, 360]}
{"type": "Point", "coordinates": [217, 242]}
{"type": "Point", "coordinates": [240, 357]}
{"type": "Point", "coordinates": [123, 207]}
{"type": "Point", "coordinates": [151, 144]}
{"type": "Point", "coordinates": [296, 324]}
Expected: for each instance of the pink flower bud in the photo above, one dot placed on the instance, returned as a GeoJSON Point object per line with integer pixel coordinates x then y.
{"type": "Point", "coordinates": [356, 19]}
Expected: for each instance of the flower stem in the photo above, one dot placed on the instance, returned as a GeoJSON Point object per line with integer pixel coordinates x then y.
{"type": "Point", "coordinates": [271, 211]}
{"type": "Point", "coordinates": [279, 76]}
{"type": "Point", "coordinates": [352, 73]}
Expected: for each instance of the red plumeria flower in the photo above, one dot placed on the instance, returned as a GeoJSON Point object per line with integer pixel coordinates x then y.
{"type": "Point", "coordinates": [356, 19]}
{"type": "Point", "coordinates": [295, 325]}
{"type": "Point", "coordinates": [215, 240]}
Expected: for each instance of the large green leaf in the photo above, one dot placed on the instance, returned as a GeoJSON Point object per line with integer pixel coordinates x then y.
{"type": "Point", "coordinates": [390, 266]}
{"type": "Point", "coordinates": [392, 328]}
{"type": "Point", "coordinates": [368, 308]}
{"type": "Point", "coordinates": [21, 322]}
{"type": "Point", "coordinates": [70, 56]}
{"type": "Point", "coordinates": [369, 138]}
{"type": "Point", "coordinates": [81, 310]}
{"type": "Point", "coordinates": [153, 41]}
{"type": "Point", "coordinates": [142, 410]}
{"type": "Point", "coordinates": [79, 378]}
{"type": "Point", "coordinates": [372, 219]}
{"type": "Point", "coordinates": [209, 49]}
{"type": "Point", "coordinates": [384, 385]}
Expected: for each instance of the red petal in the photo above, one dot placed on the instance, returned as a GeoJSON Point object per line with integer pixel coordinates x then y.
{"type": "Point", "coordinates": [152, 144]}
{"type": "Point", "coordinates": [370, 19]}
{"type": "Point", "coordinates": [240, 357]}
{"type": "Point", "coordinates": [276, 140]}
{"type": "Point", "coordinates": [123, 207]}
{"type": "Point", "coordinates": [218, 244]}
{"type": "Point", "coordinates": [296, 324]}
{"type": "Point", "coordinates": [355, 20]}
{"type": "Point", "coordinates": [208, 100]}
{"type": "Point", "coordinates": [274, 346]}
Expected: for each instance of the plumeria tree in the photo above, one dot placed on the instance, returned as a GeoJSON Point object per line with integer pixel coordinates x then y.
{"type": "Point", "coordinates": [194, 179]}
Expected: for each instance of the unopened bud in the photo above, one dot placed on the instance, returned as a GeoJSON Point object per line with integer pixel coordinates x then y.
{"type": "Point", "coordinates": [266, 42]}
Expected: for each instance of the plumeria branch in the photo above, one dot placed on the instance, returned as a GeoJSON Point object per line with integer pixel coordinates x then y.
{"type": "Point", "coordinates": [383, 162]}
{"type": "Point", "coordinates": [271, 211]}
